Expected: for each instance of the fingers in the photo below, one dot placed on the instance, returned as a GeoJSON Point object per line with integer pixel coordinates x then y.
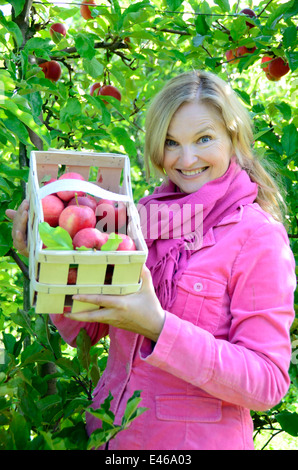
{"type": "Point", "coordinates": [19, 229]}
{"type": "Point", "coordinates": [87, 316]}
{"type": "Point", "coordinates": [107, 301]}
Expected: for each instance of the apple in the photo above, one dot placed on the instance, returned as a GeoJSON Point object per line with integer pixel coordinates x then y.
{"type": "Point", "coordinates": [251, 14]}
{"type": "Point", "coordinates": [94, 87]}
{"type": "Point", "coordinates": [51, 70]}
{"type": "Point", "coordinates": [231, 56]}
{"type": "Point", "coordinates": [109, 90]}
{"type": "Point", "coordinates": [85, 10]}
{"type": "Point", "coordinates": [84, 201]}
{"type": "Point", "coordinates": [265, 59]}
{"type": "Point", "coordinates": [278, 67]}
{"type": "Point", "coordinates": [52, 207]}
{"type": "Point", "coordinates": [75, 218]}
{"type": "Point", "coordinates": [57, 31]}
{"type": "Point", "coordinates": [90, 238]}
{"type": "Point", "coordinates": [72, 276]}
{"type": "Point", "coordinates": [271, 78]}
{"type": "Point", "coordinates": [51, 180]}
{"type": "Point", "coordinates": [242, 50]}
{"type": "Point", "coordinates": [68, 195]}
{"type": "Point", "coordinates": [127, 244]}
{"type": "Point", "coordinates": [110, 215]}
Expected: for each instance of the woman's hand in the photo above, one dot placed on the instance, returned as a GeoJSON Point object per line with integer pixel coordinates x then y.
{"type": "Point", "coordinates": [19, 228]}
{"type": "Point", "coordinates": [139, 312]}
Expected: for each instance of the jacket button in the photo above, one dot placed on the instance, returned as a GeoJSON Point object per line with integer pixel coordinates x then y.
{"type": "Point", "coordinates": [198, 286]}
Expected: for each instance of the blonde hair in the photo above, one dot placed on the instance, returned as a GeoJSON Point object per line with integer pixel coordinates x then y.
{"type": "Point", "coordinates": [207, 87]}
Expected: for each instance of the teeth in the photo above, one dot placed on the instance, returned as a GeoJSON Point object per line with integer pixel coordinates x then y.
{"type": "Point", "coordinates": [193, 172]}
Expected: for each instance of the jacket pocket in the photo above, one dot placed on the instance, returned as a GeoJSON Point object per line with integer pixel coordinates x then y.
{"type": "Point", "coordinates": [188, 408]}
{"type": "Point", "coordinates": [201, 300]}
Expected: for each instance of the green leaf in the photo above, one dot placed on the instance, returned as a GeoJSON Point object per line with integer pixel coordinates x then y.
{"type": "Point", "coordinates": [174, 4]}
{"type": "Point", "coordinates": [20, 431]}
{"type": "Point", "coordinates": [93, 67]}
{"type": "Point", "coordinates": [85, 46]}
{"type": "Point", "coordinates": [83, 342]}
{"type": "Point", "coordinates": [112, 243]}
{"type": "Point", "coordinates": [12, 28]}
{"type": "Point", "coordinates": [290, 36]}
{"type": "Point", "coordinates": [55, 238]}
{"type": "Point", "coordinates": [73, 107]}
{"type": "Point", "coordinates": [223, 4]}
{"type": "Point", "coordinates": [18, 5]}
{"type": "Point", "coordinates": [289, 140]}
{"type": "Point", "coordinates": [285, 109]}
{"type": "Point", "coordinates": [124, 139]}
{"type": "Point", "coordinates": [288, 422]}
{"type": "Point", "coordinates": [201, 25]}
{"type": "Point", "coordinates": [17, 128]}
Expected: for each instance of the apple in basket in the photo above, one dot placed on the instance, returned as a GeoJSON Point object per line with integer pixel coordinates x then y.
{"type": "Point", "coordinates": [90, 238]}
{"type": "Point", "coordinates": [111, 216]}
{"type": "Point", "coordinates": [87, 200]}
{"type": "Point", "coordinates": [75, 218]}
{"type": "Point", "coordinates": [68, 195]}
{"type": "Point", "coordinates": [127, 244]}
{"type": "Point", "coordinates": [52, 207]}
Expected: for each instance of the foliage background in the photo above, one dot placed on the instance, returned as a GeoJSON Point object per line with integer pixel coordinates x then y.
{"type": "Point", "coordinates": [45, 386]}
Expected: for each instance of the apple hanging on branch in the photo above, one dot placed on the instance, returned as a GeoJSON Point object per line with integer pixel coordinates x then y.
{"type": "Point", "coordinates": [251, 14]}
{"type": "Point", "coordinates": [276, 68]}
{"type": "Point", "coordinates": [57, 32]}
{"type": "Point", "coordinates": [51, 70]}
{"type": "Point", "coordinates": [85, 10]}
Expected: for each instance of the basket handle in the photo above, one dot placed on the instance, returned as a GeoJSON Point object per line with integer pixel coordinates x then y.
{"type": "Point", "coordinates": [79, 185]}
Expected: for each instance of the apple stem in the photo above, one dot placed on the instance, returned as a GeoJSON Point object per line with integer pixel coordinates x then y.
{"type": "Point", "coordinates": [76, 196]}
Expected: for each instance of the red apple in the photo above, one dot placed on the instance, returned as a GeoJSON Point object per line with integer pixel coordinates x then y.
{"type": "Point", "coordinates": [68, 195]}
{"type": "Point", "coordinates": [57, 31]}
{"type": "Point", "coordinates": [51, 180]}
{"type": "Point", "coordinates": [75, 218]}
{"type": "Point", "coordinates": [127, 244]}
{"type": "Point", "coordinates": [72, 276]}
{"type": "Point", "coordinates": [109, 90]}
{"type": "Point", "coordinates": [95, 88]}
{"type": "Point", "coordinates": [90, 238]}
{"type": "Point", "coordinates": [231, 56]}
{"type": "Point", "coordinates": [251, 14]}
{"type": "Point", "coordinates": [85, 10]}
{"type": "Point", "coordinates": [52, 207]}
{"type": "Point", "coordinates": [51, 70]}
{"type": "Point", "coordinates": [265, 59]}
{"type": "Point", "coordinates": [271, 78]}
{"type": "Point", "coordinates": [243, 50]}
{"type": "Point", "coordinates": [110, 215]}
{"type": "Point", "coordinates": [278, 67]}
{"type": "Point", "coordinates": [87, 200]}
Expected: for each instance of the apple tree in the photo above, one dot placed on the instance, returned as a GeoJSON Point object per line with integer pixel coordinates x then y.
{"type": "Point", "coordinates": [79, 77]}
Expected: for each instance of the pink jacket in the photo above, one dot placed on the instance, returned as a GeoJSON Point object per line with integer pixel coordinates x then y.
{"type": "Point", "coordinates": [224, 348]}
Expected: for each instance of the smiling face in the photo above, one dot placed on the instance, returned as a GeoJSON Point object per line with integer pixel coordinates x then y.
{"type": "Point", "coordinates": [197, 147]}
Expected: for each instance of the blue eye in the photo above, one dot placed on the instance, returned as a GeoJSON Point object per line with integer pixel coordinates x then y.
{"type": "Point", "coordinates": [205, 139]}
{"type": "Point", "coordinates": [170, 143]}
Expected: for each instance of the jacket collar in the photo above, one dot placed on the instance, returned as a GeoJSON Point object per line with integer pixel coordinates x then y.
{"type": "Point", "coordinates": [233, 218]}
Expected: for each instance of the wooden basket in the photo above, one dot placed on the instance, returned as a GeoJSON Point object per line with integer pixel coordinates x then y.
{"type": "Point", "coordinates": [48, 269]}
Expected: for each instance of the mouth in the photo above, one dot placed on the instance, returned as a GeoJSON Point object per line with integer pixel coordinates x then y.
{"type": "Point", "coordinates": [195, 172]}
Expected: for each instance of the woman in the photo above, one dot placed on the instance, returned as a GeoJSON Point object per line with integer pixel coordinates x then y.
{"type": "Point", "coordinates": [206, 339]}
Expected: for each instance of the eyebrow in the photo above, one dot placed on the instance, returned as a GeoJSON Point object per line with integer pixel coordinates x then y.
{"type": "Point", "coordinates": [201, 131]}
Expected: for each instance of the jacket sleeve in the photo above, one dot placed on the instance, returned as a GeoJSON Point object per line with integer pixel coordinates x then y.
{"type": "Point", "coordinates": [69, 329]}
{"type": "Point", "coordinates": [249, 369]}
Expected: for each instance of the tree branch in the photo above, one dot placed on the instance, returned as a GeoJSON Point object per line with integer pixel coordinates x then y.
{"type": "Point", "coordinates": [19, 262]}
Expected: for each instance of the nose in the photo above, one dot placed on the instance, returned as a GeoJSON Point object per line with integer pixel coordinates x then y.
{"type": "Point", "coordinates": [188, 156]}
